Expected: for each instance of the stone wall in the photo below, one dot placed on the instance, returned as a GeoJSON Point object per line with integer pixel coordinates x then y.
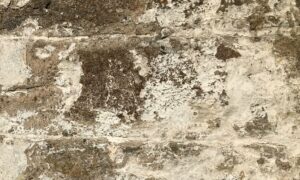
{"type": "Point", "coordinates": [149, 89]}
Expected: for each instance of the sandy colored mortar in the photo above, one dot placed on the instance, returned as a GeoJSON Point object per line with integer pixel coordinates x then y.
{"type": "Point", "coordinates": [149, 90]}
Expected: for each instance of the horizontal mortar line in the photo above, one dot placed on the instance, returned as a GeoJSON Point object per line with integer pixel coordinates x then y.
{"type": "Point", "coordinates": [41, 138]}
{"type": "Point", "coordinates": [11, 37]}
{"type": "Point", "coordinates": [111, 139]}
{"type": "Point", "coordinates": [58, 38]}
{"type": "Point", "coordinates": [273, 29]}
{"type": "Point", "coordinates": [38, 138]}
{"type": "Point", "coordinates": [124, 35]}
{"type": "Point", "coordinates": [239, 35]}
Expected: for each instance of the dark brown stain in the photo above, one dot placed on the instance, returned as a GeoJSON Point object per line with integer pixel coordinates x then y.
{"type": "Point", "coordinates": [177, 2]}
{"type": "Point", "coordinates": [144, 29]}
{"type": "Point", "coordinates": [223, 97]}
{"type": "Point", "coordinates": [81, 13]}
{"type": "Point", "coordinates": [274, 20]}
{"type": "Point", "coordinates": [186, 149]}
{"type": "Point", "coordinates": [287, 48]}
{"type": "Point", "coordinates": [261, 161]}
{"type": "Point", "coordinates": [41, 93]}
{"type": "Point", "coordinates": [290, 19]}
{"type": "Point", "coordinates": [194, 6]}
{"type": "Point", "coordinates": [293, 17]}
{"type": "Point", "coordinates": [131, 146]}
{"type": "Point", "coordinates": [43, 100]}
{"type": "Point", "coordinates": [73, 158]}
{"type": "Point", "coordinates": [40, 120]}
{"type": "Point", "coordinates": [214, 123]}
{"type": "Point", "coordinates": [284, 165]}
{"type": "Point", "coordinates": [224, 5]}
{"type": "Point", "coordinates": [154, 156]}
{"type": "Point", "coordinates": [225, 53]}
{"type": "Point", "coordinates": [298, 3]}
{"type": "Point", "coordinates": [162, 3]}
{"type": "Point", "coordinates": [199, 91]}
{"type": "Point", "coordinates": [257, 19]}
{"type": "Point", "coordinates": [44, 70]}
{"type": "Point", "coordinates": [150, 52]}
{"type": "Point", "coordinates": [37, 99]}
{"type": "Point", "coordinates": [2, 137]}
{"type": "Point", "coordinates": [264, 4]}
{"type": "Point", "coordinates": [230, 160]}
{"type": "Point", "coordinates": [297, 161]}
{"type": "Point", "coordinates": [176, 44]}
{"type": "Point", "coordinates": [269, 150]}
{"type": "Point", "coordinates": [220, 73]}
{"type": "Point", "coordinates": [110, 81]}
{"type": "Point", "coordinates": [192, 136]}
{"type": "Point", "coordinates": [260, 124]}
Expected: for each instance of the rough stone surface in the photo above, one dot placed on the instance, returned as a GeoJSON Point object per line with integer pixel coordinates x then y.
{"type": "Point", "coordinates": [149, 89]}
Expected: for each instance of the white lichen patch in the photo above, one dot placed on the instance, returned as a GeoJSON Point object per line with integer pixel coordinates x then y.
{"type": "Point", "coordinates": [19, 3]}
{"type": "Point", "coordinates": [45, 52]}
{"type": "Point", "coordinates": [141, 64]}
{"type": "Point", "coordinates": [14, 123]}
{"type": "Point", "coordinates": [29, 26]}
{"type": "Point", "coordinates": [68, 81]}
{"type": "Point", "coordinates": [258, 81]}
{"type": "Point", "coordinates": [13, 160]}
{"type": "Point", "coordinates": [64, 54]}
{"type": "Point", "coordinates": [213, 95]}
{"type": "Point", "coordinates": [109, 124]}
{"type": "Point", "coordinates": [187, 99]}
{"type": "Point", "coordinates": [13, 70]}
{"type": "Point", "coordinates": [165, 100]}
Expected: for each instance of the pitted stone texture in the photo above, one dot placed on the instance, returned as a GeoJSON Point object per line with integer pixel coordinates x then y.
{"type": "Point", "coordinates": [76, 17]}
{"type": "Point", "coordinates": [149, 90]}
